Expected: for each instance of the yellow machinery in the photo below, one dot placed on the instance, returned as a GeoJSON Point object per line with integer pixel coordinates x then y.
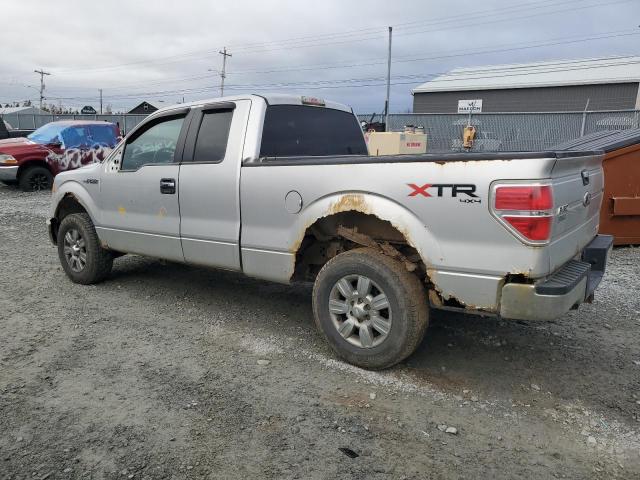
{"type": "Point", "coordinates": [468, 136]}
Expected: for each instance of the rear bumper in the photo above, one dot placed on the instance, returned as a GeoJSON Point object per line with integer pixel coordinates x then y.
{"type": "Point", "coordinates": [567, 288]}
{"type": "Point", "coordinates": [9, 174]}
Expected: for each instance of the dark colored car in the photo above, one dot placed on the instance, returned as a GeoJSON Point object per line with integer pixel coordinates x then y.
{"type": "Point", "coordinates": [34, 160]}
{"type": "Point", "coordinates": [7, 131]}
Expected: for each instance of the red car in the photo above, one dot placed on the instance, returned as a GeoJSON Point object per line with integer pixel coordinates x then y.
{"type": "Point", "coordinates": [55, 147]}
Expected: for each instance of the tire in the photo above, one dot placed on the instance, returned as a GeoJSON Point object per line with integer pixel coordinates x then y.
{"type": "Point", "coordinates": [364, 320]}
{"type": "Point", "coordinates": [35, 179]}
{"type": "Point", "coordinates": [81, 255]}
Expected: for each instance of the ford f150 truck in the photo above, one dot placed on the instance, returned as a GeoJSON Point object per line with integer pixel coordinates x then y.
{"type": "Point", "coordinates": [34, 160]}
{"type": "Point", "coordinates": [281, 188]}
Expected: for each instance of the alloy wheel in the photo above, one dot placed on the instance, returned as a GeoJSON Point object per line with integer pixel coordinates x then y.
{"type": "Point", "coordinates": [39, 181]}
{"type": "Point", "coordinates": [75, 250]}
{"type": "Point", "coordinates": [360, 311]}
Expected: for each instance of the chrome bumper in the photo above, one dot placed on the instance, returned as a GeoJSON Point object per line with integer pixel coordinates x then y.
{"type": "Point", "coordinates": [567, 288]}
{"type": "Point", "coordinates": [9, 173]}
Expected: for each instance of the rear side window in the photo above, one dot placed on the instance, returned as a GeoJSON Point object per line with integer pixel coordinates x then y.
{"type": "Point", "coordinates": [298, 131]}
{"type": "Point", "coordinates": [211, 144]}
{"type": "Point", "coordinates": [104, 135]}
{"type": "Point", "coordinates": [75, 137]}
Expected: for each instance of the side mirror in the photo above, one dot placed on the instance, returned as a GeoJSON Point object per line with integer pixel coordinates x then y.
{"type": "Point", "coordinates": [55, 143]}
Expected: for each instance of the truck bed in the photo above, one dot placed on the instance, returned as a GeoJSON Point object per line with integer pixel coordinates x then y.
{"type": "Point", "coordinates": [426, 157]}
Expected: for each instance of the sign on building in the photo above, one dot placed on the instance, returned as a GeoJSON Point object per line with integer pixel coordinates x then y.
{"type": "Point", "coordinates": [470, 106]}
{"type": "Point", "coordinates": [89, 110]}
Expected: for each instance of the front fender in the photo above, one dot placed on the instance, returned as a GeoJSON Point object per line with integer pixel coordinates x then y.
{"type": "Point", "coordinates": [80, 194]}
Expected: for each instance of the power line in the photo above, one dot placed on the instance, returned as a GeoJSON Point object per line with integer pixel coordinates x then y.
{"type": "Point", "coordinates": [416, 24]}
{"type": "Point", "coordinates": [436, 21]}
{"type": "Point", "coordinates": [357, 82]}
{"type": "Point", "coordinates": [313, 41]}
{"type": "Point", "coordinates": [406, 59]}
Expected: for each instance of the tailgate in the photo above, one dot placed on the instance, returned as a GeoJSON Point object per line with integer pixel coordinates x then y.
{"type": "Point", "coordinates": [578, 184]}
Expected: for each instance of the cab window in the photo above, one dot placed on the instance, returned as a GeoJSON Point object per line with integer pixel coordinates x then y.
{"type": "Point", "coordinates": [153, 145]}
{"type": "Point", "coordinates": [103, 135]}
{"type": "Point", "coordinates": [211, 144]}
{"type": "Point", "coordinates": [300, 130]}
{"type": "Point", "coordinates": [74, 137]}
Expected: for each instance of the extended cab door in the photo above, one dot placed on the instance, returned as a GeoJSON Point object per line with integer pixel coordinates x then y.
{"type": "Point", "coordinates": [74, 149]}
{"type": "Point", "coordinates": [209, 185]}
{"type": "Point", "coordinates": [103, 138]}
{"type": "Point", "coordinates": [139, 190]}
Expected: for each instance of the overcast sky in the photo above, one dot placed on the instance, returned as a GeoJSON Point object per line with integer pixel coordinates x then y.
{"type": "Point", "coordinates": [161, 51]}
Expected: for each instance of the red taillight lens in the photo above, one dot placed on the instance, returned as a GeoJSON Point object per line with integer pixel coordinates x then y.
{"type": "Point", "coordinates": [534, 206]}
{"type": "Point", "coordinates": [532, 228]}
{"type": "Point", "coordinates": [532, 198]}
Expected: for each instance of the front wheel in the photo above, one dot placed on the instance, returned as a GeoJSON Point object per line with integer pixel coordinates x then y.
{"type": "Point", "coordinates": [35, 179]}
{"type": "Point", "coordinates": [371, 310]}
{"type": "Point", "coordinates": [81, 255]}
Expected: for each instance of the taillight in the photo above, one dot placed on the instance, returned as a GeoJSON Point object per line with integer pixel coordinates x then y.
{"type": "Point", "coordinates": [527, 210]}
{"type": "Point", "coordinates": [533, 228]}
{"type": "Point", "coordinates": [524, 198]}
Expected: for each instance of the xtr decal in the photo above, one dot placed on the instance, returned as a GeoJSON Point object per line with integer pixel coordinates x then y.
{"type": "Point", "coordinates": [454, 189]}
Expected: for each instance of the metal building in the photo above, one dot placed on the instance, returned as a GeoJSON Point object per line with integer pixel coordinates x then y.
{"type": "Point", "coordinates": [11, 114]}
{"type": "Point", "coordinates": [557, 86]}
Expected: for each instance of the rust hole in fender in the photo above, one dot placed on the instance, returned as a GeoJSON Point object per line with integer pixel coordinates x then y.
{"type": "Point", "coordinates": [345, 230]}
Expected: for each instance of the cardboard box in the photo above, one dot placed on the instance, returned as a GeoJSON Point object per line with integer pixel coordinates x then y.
{"type": "Point", "coordinates": [396, 143]}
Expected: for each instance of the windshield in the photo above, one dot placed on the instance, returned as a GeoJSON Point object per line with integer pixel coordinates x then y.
{"type": "Point", "coordinates": [46, 134]}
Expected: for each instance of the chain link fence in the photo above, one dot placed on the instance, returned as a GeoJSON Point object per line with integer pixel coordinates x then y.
{"type": "Point", "coordinates": [494, 131]}
{"type": "Point", "coordinates": [509, 131]}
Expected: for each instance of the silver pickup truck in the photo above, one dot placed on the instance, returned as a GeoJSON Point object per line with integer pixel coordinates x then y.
{"type": "Point", "coordinates": [281, 188]}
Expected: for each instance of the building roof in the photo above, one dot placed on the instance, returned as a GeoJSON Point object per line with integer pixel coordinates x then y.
{"type": "Point", "coordinates": [607, 141]}
{"type": "Point", "coordinates": [541, 74]}
{"type": "Point", "coordinates": [141, 105]}
{"type": "Point", "coordinates": [10, 110]}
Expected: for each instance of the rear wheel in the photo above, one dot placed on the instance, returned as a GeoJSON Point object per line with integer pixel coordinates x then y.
{"type": "Point", "coordinates": [35, 179]}
{"type": "Point", "coordinates": [371, 310]}
{"type": "Point", "coordinates": [81, 255]}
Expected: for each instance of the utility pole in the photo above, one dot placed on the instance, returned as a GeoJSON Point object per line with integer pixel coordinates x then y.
{"type": "Point", "coordinates": [584, 118]}
{"type": "Point", "coordinates": [223, 74]}
{"type": "Point", "coordinates": [100, 90]}
{"type": "Point", "coordinates": [42, 74]}
{"type": "Point", "coordinates": [386, 103]}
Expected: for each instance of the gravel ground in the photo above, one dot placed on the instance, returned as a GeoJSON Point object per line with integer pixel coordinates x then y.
{"type": "Point", "coordinates": [166, 371]}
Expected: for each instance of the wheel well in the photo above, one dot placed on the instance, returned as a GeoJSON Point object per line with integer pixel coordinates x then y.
{"type": "Point", "coordinates": [343, 231]}
{"type": "Point", "coordinates": [68, 205]}
{"type": "Point", "coordinates": [32, 163]}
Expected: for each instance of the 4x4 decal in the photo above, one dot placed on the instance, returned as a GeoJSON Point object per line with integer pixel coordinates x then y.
{"type": "Point", "coordinates": [454, 190]}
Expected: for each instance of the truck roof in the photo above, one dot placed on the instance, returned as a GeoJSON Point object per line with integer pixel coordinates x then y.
{"type": "Point", "coordinates": [270, 98]}
{"type": "Point", "coordinates": [82, 122]}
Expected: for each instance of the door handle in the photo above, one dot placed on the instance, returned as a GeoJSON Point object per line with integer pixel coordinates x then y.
{"type": "Point", "coordinates": [168, 185]}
